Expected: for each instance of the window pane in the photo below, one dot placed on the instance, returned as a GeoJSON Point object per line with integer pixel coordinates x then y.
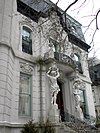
{"type": "Point", "coordinates": [25, 33]}
{"type": "Point", "coordinates": [25, 84]}
{"type": "Point", "coordinates": [82, 96]}
{"type": "Point", "coordinates": [76, 57]}
{"type": "Point", "coordinates": [25, 95]}
{"type": "Point", "coordinates": [26, 40]}
{"type": "Point", "coordinates": [24, 105]}
{"type": "Point", "coordinates": [83, 102]}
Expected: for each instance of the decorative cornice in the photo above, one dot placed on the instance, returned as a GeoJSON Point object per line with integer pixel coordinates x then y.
{"type": "Point", "coordinates": [78, 42]}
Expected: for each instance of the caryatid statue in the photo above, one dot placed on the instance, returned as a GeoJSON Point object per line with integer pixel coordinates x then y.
{"type": "Point", "coordinates": [77, 86]}
{"type": "Point", "coordinates": [53, 74]}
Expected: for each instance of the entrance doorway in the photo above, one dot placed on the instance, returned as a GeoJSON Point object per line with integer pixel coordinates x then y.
{"type": "Point", "coordinates": [60, 101]}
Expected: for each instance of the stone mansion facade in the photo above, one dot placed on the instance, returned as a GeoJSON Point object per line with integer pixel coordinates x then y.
{"type": "Point", "coordinates": [43, 65]}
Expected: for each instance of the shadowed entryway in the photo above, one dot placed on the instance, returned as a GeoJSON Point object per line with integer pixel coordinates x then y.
{"type": "Point", "coordinates": [60, 101]}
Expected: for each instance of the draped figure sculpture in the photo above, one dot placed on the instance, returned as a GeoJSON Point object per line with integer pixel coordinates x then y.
{"type": "Point", "coordinates": [76, 92]}
{"type": "Point", "coordinates": [53, 74]}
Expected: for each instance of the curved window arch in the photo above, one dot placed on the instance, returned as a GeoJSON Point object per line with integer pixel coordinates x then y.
{"type": "Point", "coordinates": [26, 40]}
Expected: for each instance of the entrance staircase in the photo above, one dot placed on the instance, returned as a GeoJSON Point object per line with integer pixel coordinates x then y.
{"type": "Point", "coordinates": [74, 125]}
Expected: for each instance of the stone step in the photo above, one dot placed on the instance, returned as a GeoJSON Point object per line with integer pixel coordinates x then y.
{"type": "Point", "coordinates": [81, 128]}
{"type": "Point", "coordinates": [67, 127]}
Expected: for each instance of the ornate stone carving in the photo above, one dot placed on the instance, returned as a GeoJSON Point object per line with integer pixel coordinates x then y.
{"type": "Point", "coordinates": [78, 84]}
{"type": "Point", "coordinates": [26, 68]}
{"type": "Point", "coordinates": [55, 30]}
{"type": "Point", "coordinates": [28, 20]}
{"type": "Point", "coordinates": [54, 18]}
{"type": "Point", "coordinates": [53, 74]}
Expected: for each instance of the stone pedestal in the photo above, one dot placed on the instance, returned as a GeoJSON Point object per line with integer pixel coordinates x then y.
{"type": "Point", "coordinates": [54, 114]}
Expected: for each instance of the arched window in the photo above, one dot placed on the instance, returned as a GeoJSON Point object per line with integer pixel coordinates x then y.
{"type": "Point", "coordinates": [78, 63]}
{"type": "Point", "coordinates": [26, 40]}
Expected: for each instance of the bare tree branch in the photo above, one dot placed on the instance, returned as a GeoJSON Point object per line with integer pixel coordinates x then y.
{"type": "Point", "coordinates": [80, 5]}
{"type": "Point", "coordinates": [97, 19]}
{"type": "Point", "coordinates": [89, 25]}
{"type": "Point", "coordinates": [88, 16]}
{"type": "Point", "coordinates": [57, 2]}
{"type": "Point", "coordinates": [93, 37]}
{"type": "Point", "coordinates": [94, 19]}
{"type": "Point", "coordinates": [70, 5]}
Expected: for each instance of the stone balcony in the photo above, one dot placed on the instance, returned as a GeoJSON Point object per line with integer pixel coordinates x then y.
{"type": "Point", "coordinates": [64, 62]}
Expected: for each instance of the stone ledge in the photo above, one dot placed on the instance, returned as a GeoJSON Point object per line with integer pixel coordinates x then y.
{"type": "Point", "coordinates": [19, 125]}
{"type": "Point", "coordinates": [19, 54]}
{"type": "Point", "coordinates": [7, 124]}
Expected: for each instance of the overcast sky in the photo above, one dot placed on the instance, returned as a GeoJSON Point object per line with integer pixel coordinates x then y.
{"type": "Point", "coordinates": [82, 13]}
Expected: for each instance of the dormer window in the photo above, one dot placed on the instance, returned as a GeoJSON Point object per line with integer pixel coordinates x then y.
{"type": "Point", "coordinates": [26, 40]}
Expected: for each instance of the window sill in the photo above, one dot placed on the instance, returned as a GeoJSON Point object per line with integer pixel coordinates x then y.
{"type": "Point", "coordinates": [25, 56]}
